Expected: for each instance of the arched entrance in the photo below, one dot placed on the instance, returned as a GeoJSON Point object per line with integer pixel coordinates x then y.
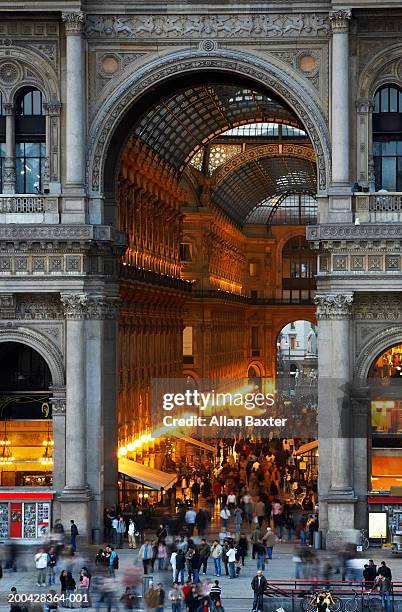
{"type": "Point", "coordinates": [385, 483]}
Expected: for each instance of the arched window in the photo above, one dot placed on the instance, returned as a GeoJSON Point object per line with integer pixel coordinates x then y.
{"type": "Point", "coordinates": [30, 136]}
{"type": "Point", "coordinates": [387, 138]}
{"type": "Point", "coordinates": [299, 267]}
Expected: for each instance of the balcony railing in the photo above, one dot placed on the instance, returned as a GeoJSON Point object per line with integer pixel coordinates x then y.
{"type": "Point", "coordinates": [48, 206]}
{"type": "Point", "coordinates": [378, 207]}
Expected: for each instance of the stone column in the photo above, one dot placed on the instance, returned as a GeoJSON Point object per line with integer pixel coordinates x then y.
{"type": "Point", "coordinates": [340, 96]}
{"type": "Point", "coordinates": [52, 170]}
{"type": "Point", "coordinates": [9, 180]}
{"type": "Point", "coordinates": [76, 493]}
{"type": "Point", "coordinates": [336, 494]}
{"type": "Point", "coordinates": [58, 401]}
{"type": "Point", "coordinates": [364, 145]}
{"type": "Point", "coordinates": [74, 204]}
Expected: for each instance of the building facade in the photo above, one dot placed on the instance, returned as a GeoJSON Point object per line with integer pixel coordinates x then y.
{"type": "Point", "coordinates": [159, 166]}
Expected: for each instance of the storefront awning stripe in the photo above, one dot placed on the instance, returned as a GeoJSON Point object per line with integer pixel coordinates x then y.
{"type": "Point", "coordinates": [149, 477]}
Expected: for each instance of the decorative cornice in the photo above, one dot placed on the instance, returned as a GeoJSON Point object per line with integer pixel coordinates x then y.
{"type": "Point", "coordinates": [58, 406]}
{"type": "Point", "coordinates": [73, 22]}
{"type": "Point", "coordinates": [348, 231]}
{"type": "Point", "coordinates": [9, 108]}
{"type": "Point", "coordinates": [75, 305]}
{"type": "Point", "coordinates": [334, 306]}
{"type": "Point", "coordinates": [340, 20]}
{"type": "Point", "coordinates": [52, 108]}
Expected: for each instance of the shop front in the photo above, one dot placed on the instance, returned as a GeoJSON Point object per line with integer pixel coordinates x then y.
{"type": "Point", "coordinates": [25, 514]}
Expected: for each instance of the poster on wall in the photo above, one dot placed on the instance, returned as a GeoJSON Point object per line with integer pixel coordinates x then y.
{"type": "Point", "coordinates": [30, 520]}
{"type": "Point", "coordinates": [3, 520]}
{"type": "Point", "coordinates": [43, 519]}
{"type": "Point", "coordinates": [378, 525]}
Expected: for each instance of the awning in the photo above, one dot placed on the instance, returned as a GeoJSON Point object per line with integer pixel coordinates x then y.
{"type": "Point", "coordinates": [149, 477]}
{"type": "Point", "coordinates": [306, 448]}
{"type": "Point", "coordinates": [196, 442]}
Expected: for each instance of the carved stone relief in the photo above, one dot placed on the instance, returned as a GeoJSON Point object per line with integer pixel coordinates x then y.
{"type": "Point", "coordinates": [206, 26]}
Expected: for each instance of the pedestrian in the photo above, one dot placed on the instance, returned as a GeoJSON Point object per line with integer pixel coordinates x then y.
{"type": "Point", "coordinates": [204, 607]}
{"type": "Point", "coordinates": [74, 534]}
{"type": "Point", "coordinates": [385, 571]}
{"type": "Point", "coordinates": [172, 562]}
{"type": "Point", "coordinates": [259, 585]}
{"type": "Point", "coordinates": [216, 553]}
{"type": "Point", "coordinates": [113, 562]}
{"type": "Point", "coordinates": [215, 592]}
{"type": "Point", "coordinates": [84, 589]}
{"type": "Point", "coordinates": [128, 599]}
{"type": "Point", "coordinates": [131, 534]}
{"type": "Point", "coordinates": [121, 530]}
{"type": "Point", "coordinates": [145, 555]}
{"type": "Point", "coordinates": [261, 555]}
{"type": "Point", "coordinates": [231, 555]}
{"type": "Point", "coordinates": [205, 551]}
{"type": "Point", "coordinates": [277, 513]}
{"type": "Point", "coordinates": [225, 560]}
{"type": "Point", "coordinates": [151, 597]}
{"type": "Point", "coordinates": [175, 597]}
{"type": "Point", "coordinates": [115, 524]}
{"type": "Point", "coordinates": [238, 517]}
{"type": "Point", "coordinates": [180, 566]}
{"type": "Point", "coordinates": [161, 533]}
{"type": "Point", "coordinates": [225, 516]}
{"type": "Point", "coordinates": [161, 556]}
{"type": "Point", "coordinates": [242, 548]}
{"type": "Point", "coordinates": [384, 585]}
{"type": "Point", "coordinates": [260, 511]}
{"type": "Point", "coordinates": [290, 526]}
{"type": "Point", "coordinates": [51, 564]}
{"type": "Point", "coordinates": [195, 563]}
{"type": "Point", "coordinates": [195, 490]}
{"type": "Point", "coordinates": [269, 541]}
{"type": "Point", "coordinates": [41, 565]}
{"type": "Point", "coordinates": [70, 588]}
{"type": "Point", "coordinates": [255, 538]}
{"type": "Point", "coordinates": [201, 521]}
{"type": "Point", "coordinates": [161, 601]}
{"type": "Point", "coordinates": [189, 518]}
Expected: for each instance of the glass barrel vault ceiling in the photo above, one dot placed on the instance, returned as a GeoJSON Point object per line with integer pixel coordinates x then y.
{"type": "Point", "coordinates": [180, 125]}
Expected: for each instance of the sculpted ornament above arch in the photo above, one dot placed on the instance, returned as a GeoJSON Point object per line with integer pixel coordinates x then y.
{"type": "Point", "coordinates": [288, 86]}
{"type": "Point", "coordinates": [384, 67]}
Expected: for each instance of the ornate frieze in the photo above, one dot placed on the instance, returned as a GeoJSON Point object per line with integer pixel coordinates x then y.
{"type": "Point", "coordinates": [73, 22]}
{"type": "Point", "coordinates": [207, 26]}
{"type": "Point", "coordinates": [340, 20]}
{"type": "Point", "coordinates": [58, 406]}
{"type": "Point", "coordinates": [340, 231]}
{"type": "Point", "coordinates": [334, 305]}
{"type": "Point", "coordinates": [102, 308]}
{"type": "Point", "coordinates": [378, 307]}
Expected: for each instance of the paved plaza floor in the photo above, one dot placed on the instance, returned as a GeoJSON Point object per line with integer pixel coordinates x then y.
{"type": "Point", "coordinates": [236, 594]}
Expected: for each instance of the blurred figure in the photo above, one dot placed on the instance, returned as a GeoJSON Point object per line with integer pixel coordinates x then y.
{"type": "Point", "coordinates": [175, 597]}
{"type": "Point", "coordinates": [51, 564]}
{"type": "Point", "coordinates": [128, 599]}
{"type": "Point", "coordinates": [74, 534]}
{"type": "Point", "coordinates": [41, 565]}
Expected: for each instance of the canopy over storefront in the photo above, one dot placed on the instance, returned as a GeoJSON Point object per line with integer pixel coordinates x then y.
{"type": "Point", "coordinates": [307, 448]}
{"type": "Point", "coordinates": [149, 477]}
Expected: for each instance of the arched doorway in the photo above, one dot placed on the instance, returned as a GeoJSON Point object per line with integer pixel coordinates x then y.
{"type": "Point", "coordinates": [385, 483]}
{"type": "Point", "coordinates": [26, 445]}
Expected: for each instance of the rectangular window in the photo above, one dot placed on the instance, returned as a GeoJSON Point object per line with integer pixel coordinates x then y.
{"type": "Point", "coordinates": [186, 251]}
{"type": "Point", "coordinates": [30, 164]}
{"type": "Point", "coordinates": [384, 101]}
{"type": "Point", "coordinates": [254, 338]}
{"type": "Point", "coordinates": [393, 100]}
{"type": "Point", "coordinates": [253, 269]}
{"type": "Point", "coordinates": [389, 173]}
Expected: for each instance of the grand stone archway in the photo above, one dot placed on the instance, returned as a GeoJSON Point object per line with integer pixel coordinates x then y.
{"type": "Point", "coordinates": [105, 132]}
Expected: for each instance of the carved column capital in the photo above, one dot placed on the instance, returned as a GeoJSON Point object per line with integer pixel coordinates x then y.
{"type": "Point", "coordinates": [334, 306]}
{"type": "Point", "coordinates": [74, 22]}
{"type": "Point", "coordinates": [340, 20]}
{"type": "Point", "coordinates": [364, 105]}
{"type": "Point", "coordinates": [9, 108]}
{"type": "Point", "coordinates": [75, 305]}
{"type": "Point", "coordinates": [101, 307]}
{"type": "Point", "coordinates": [52, 108]}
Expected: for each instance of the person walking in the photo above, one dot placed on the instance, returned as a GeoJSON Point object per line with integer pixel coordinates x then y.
{"type": "Point", "coordinates": [131, 534]}
{"type": "Point", "coordinates": [175, 597]}
{"type": "Point", "coordinates": [242, 548]}
{"type": "Point", "coordinates": [260, 511]}
{"type": "Point", "coordinates": [215, 592]}
{"type": "Point", "coordinates": [225, 516]}
{"type": "Point", "coordinates": [385, 586]}
{"type": "Point", "coordinates": [189, 518]}
{"type": "Point", "coordinates": [231, 555]}
{"type": "Point", "coordinates": [216, 554]}
{"type": "Point", "coordinates": [172, 562]}
{"type": "Point", "coordinates": [238, 518]}
{"type": "Point", "coordinates": [261, 555]}
{"type": "Point", "coordinates": [121, 530]}
{"type": "Point", "coordinates": [70, 589]}
{"type": "Point", "coordinates": [180, 566]}
{"type": "Point", "coordinates": [161, 556]}
{"type": "Point", "coordinates": [41, 559]}
{"type": "Point", "coordinates": [113, 562]}
{"type": "Point", "coordinates": [151, 597]}
{"type": "Point", "coordinates": [269, 541]}
{"type": "Point", "coordinates": [51, 564]}
{"type": "Point", "coordinates": [259, 584]}
{"type": "Point", "coordinates": [255, 538]}
{"type": "Point", "coordinates": [162, 596]}
{"type": "Point", "coordinates": [145, 555]}
{"type": "Point", "coordinates": [205, 552]}
{"type": "Point", "coordinates": [74, 535]}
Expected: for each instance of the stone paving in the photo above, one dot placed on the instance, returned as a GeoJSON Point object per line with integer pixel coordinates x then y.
{"type": "Point", "coordinates": [236, 594]}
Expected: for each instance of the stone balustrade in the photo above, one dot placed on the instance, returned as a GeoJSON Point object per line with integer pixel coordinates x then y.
{"type": "Point", "coordinates": [378, 207]}
{"type": "Point", "coordinates": [29, 209]}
